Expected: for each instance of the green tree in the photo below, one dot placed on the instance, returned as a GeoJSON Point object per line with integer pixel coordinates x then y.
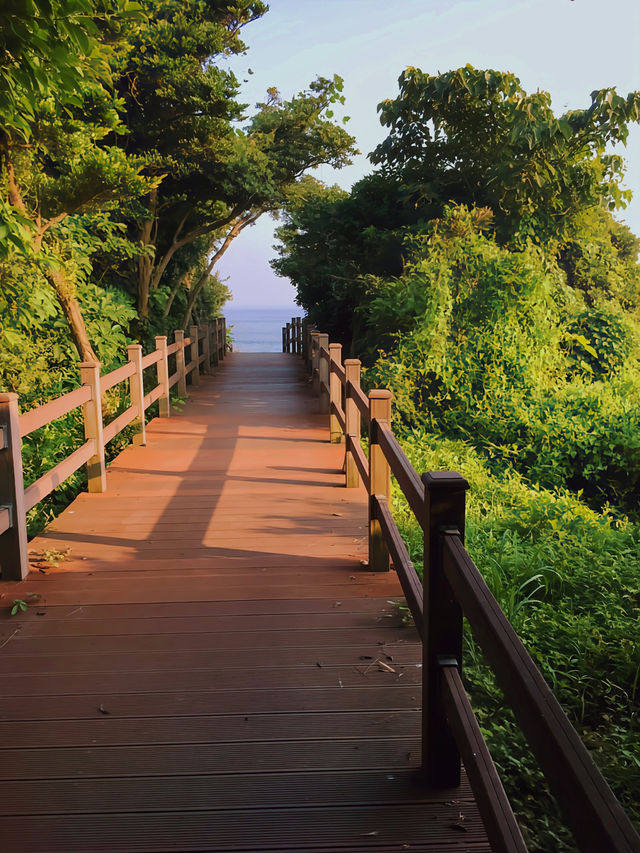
{"type": "Point", "coordinates": [183, 118]}
{"type": "Point", "coordinates": [476, 137]}
{"type": "Point", "coordinates": [473, 138]}
{"type": "Point", "coordinates": [179, 109]}
{"type": "Point", "coordinates": [57, 172]}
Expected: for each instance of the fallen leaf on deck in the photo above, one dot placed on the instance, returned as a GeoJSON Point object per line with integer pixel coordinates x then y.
{"type": "Point", "coordinates": [103, 710]}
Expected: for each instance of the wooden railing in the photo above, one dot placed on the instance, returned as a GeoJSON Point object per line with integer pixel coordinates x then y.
{"type": "Point", "coordinates": [452, 587]}
{"type": "Point", "coordinates": [206, 347]}
{"type": "Point", "coordinates": [293, 336]}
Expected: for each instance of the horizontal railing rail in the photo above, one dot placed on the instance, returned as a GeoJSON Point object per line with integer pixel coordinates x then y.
{"type": "Point", "coordinates": [452, 587]}
{"type": "Point", "coordinates": [42, 415]}
{"type": "Point", "coordinates": [206, 346]}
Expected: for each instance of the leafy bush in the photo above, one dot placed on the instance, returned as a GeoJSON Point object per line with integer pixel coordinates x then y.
{"type": "Point", "coordinates": [491, 346]}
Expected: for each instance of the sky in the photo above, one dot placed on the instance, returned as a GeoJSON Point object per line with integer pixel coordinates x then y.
{"type": "Point", "coordinates": [566, 47]}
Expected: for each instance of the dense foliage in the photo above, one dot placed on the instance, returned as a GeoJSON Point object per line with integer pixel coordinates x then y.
{"type": "Point", "coordinates": [481, 275]}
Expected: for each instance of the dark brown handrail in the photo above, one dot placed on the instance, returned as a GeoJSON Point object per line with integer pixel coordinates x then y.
{"type": "Point", "coordinates": [597, 819]}
{"type": "Point", "coordinates": [362, 463]}
{"type": "Point", "coordinates": [404, 472]}
{"type": "Point", "coordinates": [407, 575]}
{"type": "Point", "coordinates": [339, 371]}
{"type": "Point", "coordinates": [360, 399]}
{"type": "Point", "coordinates": [497, 815]}
{"type": "Point", "coordinates": [339, 413]}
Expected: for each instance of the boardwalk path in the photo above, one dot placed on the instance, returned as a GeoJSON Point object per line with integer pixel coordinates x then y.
{"type": "Point", "coordinates": [201, 673]}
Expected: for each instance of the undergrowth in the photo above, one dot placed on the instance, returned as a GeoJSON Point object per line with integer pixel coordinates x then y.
{"type": "Point", "coordinates": [568, 579]}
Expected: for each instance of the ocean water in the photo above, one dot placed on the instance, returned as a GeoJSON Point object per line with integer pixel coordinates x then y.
{"type": "Point", "coordinates": [258, 329]}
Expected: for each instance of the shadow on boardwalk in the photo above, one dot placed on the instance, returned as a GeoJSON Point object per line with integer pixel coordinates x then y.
{"type": "Point", "coordinates": [203, 672]}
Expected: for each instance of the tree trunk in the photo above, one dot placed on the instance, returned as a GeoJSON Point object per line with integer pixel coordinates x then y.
{"type": "Point", "coordinates": [64, 290]}
{"type": "Point", "coordinates": [15, 196]}
{"type": "Point", "coordinates": [145, 262]}
{"type": "Point", "coordinates": [186, 278]}
{"type": "Point", "coordinates": [195, 291]}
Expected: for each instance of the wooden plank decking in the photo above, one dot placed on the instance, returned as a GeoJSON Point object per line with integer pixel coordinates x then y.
{"type": "Point", "coordinates": [200, 673]}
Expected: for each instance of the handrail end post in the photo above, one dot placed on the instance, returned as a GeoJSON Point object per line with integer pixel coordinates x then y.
{"type": "Point", "coordinates": [194, 354]}
{"type": "Point", "coordinates": [180, 363]}
{"type": "Point", "coordinates": [352, 367]}
{"type": "Point", "coordinates": [93, 427]}
{"type": "Point", "coordinates": [136, 392]}
{"type": "Point", "coordinates": [444, 510]}
{"type": "Point", "coordinates": [379, 477]}
{"type": "Point", "coordinates": [323, 374]}
{"type": "Point", "coordinates": [206, 350]}
{"type": "Point", "coordinates": [336, 435]}
{"type": "Point", "coordinates": [164, 401]}
{"type": "Point", "coordinates": [14, 561]}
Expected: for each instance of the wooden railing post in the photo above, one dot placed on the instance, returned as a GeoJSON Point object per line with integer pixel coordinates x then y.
{"type": "Point", "coordinates": [215, 340]}
{"type": "Point", "coordinates": [306, 326]}
{"type": "Point", "coordinates": [223, 338]}
{"type": "Point", "coordinates": [180, 363]}
{"type": "Point", "coordinates": [136, 391]}
{"type": "Point", "coordinates": [335, 395]}
{"type": "Point", "coordinates": [323, 371]}
{"type": "Point", "coordinates": [92, 412]}
{"type": "Point", "coordinates": [194, 354]}
{"type": "Point", "coordinates": [445, 511]}
{"type": "Point", "coordinates": [299, 335]}
{"type": "Point", "coordinates": [284, 339]}
{"type": "Point", "coordinates": [352, 417]}
{"type": "Point", "coordinates": [164, 401]}
{"type": "Point", "coordinates": [310, 349]}
{"type": "Point", "coordinates": [379, 477]}
{"type": "Point", "coordinates": [206, 350]}
{"type": "Point", "coordinates": [315, 360]}
{"type": "Point", "coordinates": [14, 562]}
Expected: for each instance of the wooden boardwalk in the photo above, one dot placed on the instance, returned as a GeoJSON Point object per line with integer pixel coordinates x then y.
{"type": "Point", "coordinates": [212, 668]}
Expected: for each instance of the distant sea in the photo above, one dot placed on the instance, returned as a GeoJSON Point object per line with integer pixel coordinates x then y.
{"type": "Point", "coordinates": [258, 329]}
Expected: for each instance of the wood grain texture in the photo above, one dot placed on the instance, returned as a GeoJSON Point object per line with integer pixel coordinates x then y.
{"type": "Point", "coordinates": [202, 672]}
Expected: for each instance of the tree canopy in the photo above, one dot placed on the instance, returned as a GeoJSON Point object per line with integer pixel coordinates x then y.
{"type": "Point", "coordinates": [129, 166]}
{"type": "Point", "coordinates": [474, 138]}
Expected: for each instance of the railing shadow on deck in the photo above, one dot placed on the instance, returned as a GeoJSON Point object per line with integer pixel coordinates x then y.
{"type": "Point", "coordinates": [139, 553]}
{"type": "Point", "coordinates": [206, 347]}
{"type": "Point", "coordinates": [453, 587]}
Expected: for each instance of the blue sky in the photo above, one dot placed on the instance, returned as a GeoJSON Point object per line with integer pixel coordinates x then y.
{"type": "Point", "coordinates": [567, 47]}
